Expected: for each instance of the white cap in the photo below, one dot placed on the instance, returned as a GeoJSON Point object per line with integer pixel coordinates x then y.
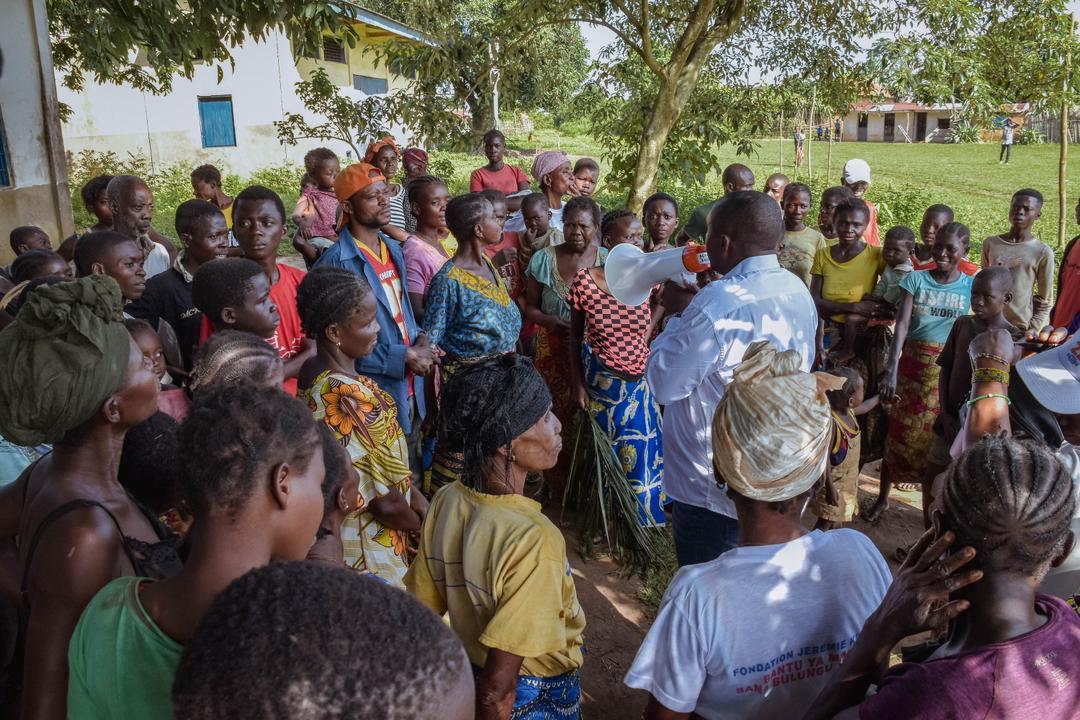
{"type": "Point", "coordinates": [856, 170]}
{"type": "Point", "coordinates": [1053, 376]}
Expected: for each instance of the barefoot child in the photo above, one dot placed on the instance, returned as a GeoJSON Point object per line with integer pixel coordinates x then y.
{"type": "Point", "coordinates": [586, 176]}
{"type": "Point", "coordinates": [897, 250]}
{"type": "Point", "coordinates": [661, 214]}
{"type": "Point", "coordinates": [315, 214]}
{"type": "Point", "coordinates": [830, 199]}
{"type": "Point", "coordinates": [1030, 260]}
{"type": "Point", "coordinates": [801, 243]}
{"type": "Point", "coordinates": [838, 501]}
{"type": "Point", "coordinates": [932, 302]}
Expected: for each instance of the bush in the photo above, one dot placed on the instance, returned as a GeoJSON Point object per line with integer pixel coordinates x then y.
{"type": "Point", "coordinates": [962, 133]}
{"type": "Point", "coordinates": [1029, 136]}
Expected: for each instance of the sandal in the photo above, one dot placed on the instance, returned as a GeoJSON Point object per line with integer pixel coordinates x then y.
{"type": "Point", "coordinates": [908, 487]}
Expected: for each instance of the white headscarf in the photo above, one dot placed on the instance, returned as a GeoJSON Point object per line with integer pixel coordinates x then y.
{"type": "Point", "coordinates": [772, 429]}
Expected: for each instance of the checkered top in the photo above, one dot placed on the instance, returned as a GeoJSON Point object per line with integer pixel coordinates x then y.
{"type": "Point", "coordinates": [615, 332]}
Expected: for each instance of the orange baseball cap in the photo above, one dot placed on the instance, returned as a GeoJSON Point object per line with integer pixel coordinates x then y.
{"type": "Point", "coordinates": [355, 178]}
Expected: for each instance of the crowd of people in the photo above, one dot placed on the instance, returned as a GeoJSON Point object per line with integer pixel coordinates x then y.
{"type": "Point", "coordinates": [232, 488]}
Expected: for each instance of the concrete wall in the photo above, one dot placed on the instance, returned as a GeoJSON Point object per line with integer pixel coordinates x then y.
{"type": "Point", "coordinates": [38, 194]}
{"type": "Point", "coordinates": [875, 130]}
{"type": "Point", "coordinates": [166, 128]}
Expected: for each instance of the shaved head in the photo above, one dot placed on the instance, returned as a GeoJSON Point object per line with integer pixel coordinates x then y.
{"type": "Point", "coordinates": [996, 278]}
{"type": "Point", "coordinates": [737, 177]}
{"type": "Point", "coordinates": [743, 224]}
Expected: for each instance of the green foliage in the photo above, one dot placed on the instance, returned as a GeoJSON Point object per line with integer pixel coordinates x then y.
{"type": "Point", "coordinates": [963, 132]}
{"type": "Point", "coordinates": [1028, 136]}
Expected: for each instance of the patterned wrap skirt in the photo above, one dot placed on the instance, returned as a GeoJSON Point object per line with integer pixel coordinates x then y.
{"type": "Point", "coordinates": [627, 411]}
{"type": "Point", "coordinates": [553, 364]}
{"type": "Point", "coordinates": [911, 420]}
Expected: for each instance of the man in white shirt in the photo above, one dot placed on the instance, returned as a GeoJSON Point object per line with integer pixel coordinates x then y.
{"type": "Point", "coordinates": [755, 633]}
{"type": "Point", "coordinates": [692, 360]}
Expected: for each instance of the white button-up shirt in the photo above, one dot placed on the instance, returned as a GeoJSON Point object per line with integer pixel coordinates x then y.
{"type": "Point", "coordinates": [693, 359]}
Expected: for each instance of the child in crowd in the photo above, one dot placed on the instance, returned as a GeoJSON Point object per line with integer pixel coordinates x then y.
{"type": "Point", "coordinates": [251, 466]}
{"type": "Point", "coordinates": [735, 178]}
{"type": "Point", "coordinates": [844, 274]}
{"type": "Point", "coordinates": [234, 294]}
{"type": "Point", "coordinates": [338, 311]}
{"type": "Point", "coordinates": [608, 370]}
{"type": "Point", "coordinates": [934, 218]}
{"type": "Point", "coordinates": [167, 300]}
{"type": "Point", "coordinates": [38, 263]}
{"type": "Point", "coordinates": [856, 178]}
{"type": "Point", "coordinates": [931, 303]}
{"type": "Point", "coordinates": [405, 665]}
{"type": "Point", "coordinates": [23, 239]}
{"type": "Point", "coordinates": [1030, 260]}
{"type": "Point", "coordinates": [801, 243]}
{"type": "Point", "coordinates": [96, 201]}
{"type": "Point", "coordinates": [497, 175]}
{"type": "Point", "coordinates": [586, 176]}
{"type": "Point", "coordinates": [316, 211]}
{"type": "Point", "coordinates": [897, 252]}
{"type": "Point", "coordinates": [228, 356]}
{"type": "Point", "coordinates": [506, 256]}
{"type": "Point", "coordinates": [206, 182]}
{"type": "Point", "coordinates": [424, 250]}
{"type": "Point", "coordinates": [774, 187]}
{"type": "Point", "coordinates": [113, 254]}
{"type": "Point", "coordinates": [171, 399]}
{"type": "Point", "coordinates": [831, 199]}
{"type": "Point", "coordinates": [1066, 311]}
{"type": "Point", "coordinates": [661, 214]}
{"type": "Point", "coordinates": [837, 501]}
{"type": "Point", "coordinates": [339, 500]}
{"type": "Point", "coordinates": [384, 154]}
{"type": "Point", "coordinates": [260, 226]}
{"type": "Point", "coordinates": [537, 233]}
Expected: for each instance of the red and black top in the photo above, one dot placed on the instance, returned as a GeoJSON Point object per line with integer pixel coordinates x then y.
{"type": "Point", "coordinates": [615, 332]}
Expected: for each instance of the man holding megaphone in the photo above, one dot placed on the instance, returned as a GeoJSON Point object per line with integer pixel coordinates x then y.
{"type": "Point", "coordinates": [693, 359]}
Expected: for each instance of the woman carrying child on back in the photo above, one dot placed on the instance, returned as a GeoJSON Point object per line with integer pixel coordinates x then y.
{"type": "Point", "coordinates": [609, 346]}
{"type": "Point", "coordinates": [932, 301]}
{"type": "Point", "coordinates": [337, 309]}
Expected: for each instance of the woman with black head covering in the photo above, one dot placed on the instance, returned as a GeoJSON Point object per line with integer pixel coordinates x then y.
{"type": "Point", "coordinates": [490, 558]}
{"type": "Point", "coordinates": [73, 377]}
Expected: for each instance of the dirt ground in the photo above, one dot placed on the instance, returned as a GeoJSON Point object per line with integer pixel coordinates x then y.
{"type": "Point", "coordinates": [617, 620]}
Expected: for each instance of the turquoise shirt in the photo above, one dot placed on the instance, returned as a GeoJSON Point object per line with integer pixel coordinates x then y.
{"type": "Point", "coordinates": [936, 306]}
{"type": "Point", "coordinates": [120, 664]}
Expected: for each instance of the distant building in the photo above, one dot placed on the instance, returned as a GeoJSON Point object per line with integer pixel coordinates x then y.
{"type": "Point", "coordinates": [231, 123]}
{"type": "Point", "coordinates": [898, 122]}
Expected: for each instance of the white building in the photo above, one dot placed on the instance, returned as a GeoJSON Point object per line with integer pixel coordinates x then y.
{"type": "Point", "coordinates": [898, 122]}
{"type": "Point", "coordinates": [230, 124]}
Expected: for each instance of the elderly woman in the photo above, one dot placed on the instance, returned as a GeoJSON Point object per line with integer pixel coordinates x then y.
{"type": "Point", "coordinates": [551, 169]}
{"type": "Point", "coordinates": [756, 632]}
{"type": "Point", "coordinates": [490, 558]}
{"type": "Point", "coordinates": [72, 376]}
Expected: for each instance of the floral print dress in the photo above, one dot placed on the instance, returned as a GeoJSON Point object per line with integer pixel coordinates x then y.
{"type": "Point", "coordinates": [363, 418]}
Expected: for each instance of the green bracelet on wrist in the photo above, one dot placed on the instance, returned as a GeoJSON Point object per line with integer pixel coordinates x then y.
{"type": "Point", "coordinates": [987, 396]}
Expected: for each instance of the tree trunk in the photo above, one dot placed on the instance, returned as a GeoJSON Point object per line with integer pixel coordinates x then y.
{"type": "Point", "coordinates": [483, 118]}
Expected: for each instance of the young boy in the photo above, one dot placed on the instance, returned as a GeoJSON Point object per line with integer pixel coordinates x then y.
{"type": "Point", "coordinates": [96, 201]}
{"type": "Point", "coordinates": [774, 186]}
{"type": "Point", "coordinates": [586, 176]}
{"type": "Point", "coordinates": [316, 211]}
{"type": "Point", "coordinates": [856, 178]}
{"type": "Point", "coordinates": [801, 243]}
{"type": "Point", "coordinates": [234, 294]}
{"type": "Point", "coordinates": [1030, 261]}
{"type": "Point", "coordinates": [935, 218]}
{"type": "Point", "coordinates": [497, 175]}
{"type": "Point", "coordinates": [830, 200]}
{"type": "Point", "coordinates": [203, 234]}
{"type": "Point", "coordinates": [844, 274]}
{"type": "Point", "coordinates": [206, 182]}
{"type": "Point", "coordinates": [259, 217]}
{"type": "Point", "coordinates": [897, 252]}
{"type": "Point", "coordinates": [24, 239]}
{"type": "Point", "coordinates": [538, 234]}
{"type": "Point", "coordinates": [838, 501]}
{"type": "Point", "coordinates": [1066, 312]}
{"type": "Point", "coordinates": [118, 256]}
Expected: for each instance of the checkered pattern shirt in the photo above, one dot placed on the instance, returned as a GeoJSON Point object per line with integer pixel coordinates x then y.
{"type": "Point", "coordinates": [615, 332]}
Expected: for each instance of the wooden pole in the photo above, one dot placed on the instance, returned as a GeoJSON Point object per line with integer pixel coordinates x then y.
{"type": "Point", "coordinates": [828, 176]}
{"type": "Point", "coordinates": [1063, 139]}
{"type": "Point", "coordinates": [781, 167]}
{"type": "Point", "coordinates": [810, 138]}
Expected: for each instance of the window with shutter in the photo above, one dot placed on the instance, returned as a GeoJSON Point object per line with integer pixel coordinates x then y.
{"type": "Point", "coordinates": [369, 85]}
{"type": "Point", "coordinates": [216, 120]}
{"type": "Point", "coordinates": [332, 50]}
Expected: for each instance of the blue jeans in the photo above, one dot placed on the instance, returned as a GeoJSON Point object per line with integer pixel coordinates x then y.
{"type": "Point", "coordinates": [700, 534]}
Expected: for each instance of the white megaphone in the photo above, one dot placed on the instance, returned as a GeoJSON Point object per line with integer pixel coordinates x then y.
{"type": "Point", "coordinates": [631, 274]}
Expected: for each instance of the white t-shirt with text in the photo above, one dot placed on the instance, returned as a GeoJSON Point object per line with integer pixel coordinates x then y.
{"type": "Point", "coordinates": [755, 633]}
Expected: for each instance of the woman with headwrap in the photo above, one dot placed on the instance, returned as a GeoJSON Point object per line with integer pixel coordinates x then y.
{"type": "Point", "coordinates": [72, 376]}
{"type": "Point", "coordinates": [754, 633]}
{"type": "Point", "coordinates": [490, 558]}
{"type": "Point", "coordinates": [385, 155]}
{"type": "Point", "coordinates": [552, 170]}
{"type": "Point", "coordinates": [415, 162]}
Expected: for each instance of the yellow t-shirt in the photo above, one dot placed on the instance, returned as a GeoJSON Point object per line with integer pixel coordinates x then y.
{"type": "Point", "coordinates": [227, 212]}
{"type": "Point", "coordinates": [498, 566]}
{"type": "Point", "coordinates": [849, 281]}
{"type": "Point", "coordinates": [799, 251]}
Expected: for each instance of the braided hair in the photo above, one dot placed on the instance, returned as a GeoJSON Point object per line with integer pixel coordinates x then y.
{"type": "Point", "coordinates": [957, 229]}
{"type": "Point", "coordinates": [235, 432]}
{"type": "Point", "coordinates": [607, 224]}
{"type": "Point", "coordinates": [419, 185]}
{"type": "Point", "coordinates": [328, 296]}
{"type": "Point", "coordinates": [230, 355]}
{"type": "Point", "coordinates": [485, 406]}
{"type": "Point", "coordinates": [1012, 500]}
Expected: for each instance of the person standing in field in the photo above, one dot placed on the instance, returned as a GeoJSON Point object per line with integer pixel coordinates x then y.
{"type": "Point", "coordinates": [1008, 128]}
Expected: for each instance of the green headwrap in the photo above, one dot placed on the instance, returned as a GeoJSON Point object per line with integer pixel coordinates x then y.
{"type": "Point", "coordinates": [65, 353]}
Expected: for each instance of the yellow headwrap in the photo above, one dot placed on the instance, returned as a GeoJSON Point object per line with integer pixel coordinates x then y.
{"type": "Point", "coordinates": [772, 428]}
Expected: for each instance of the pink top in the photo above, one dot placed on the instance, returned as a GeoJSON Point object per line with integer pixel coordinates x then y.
{"type": "Point", "coordinates": [421, 263]}
{"type": "Point", "coordinates": [506, 181]}
{"type": "Point", "coordinates": [323, 222]}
